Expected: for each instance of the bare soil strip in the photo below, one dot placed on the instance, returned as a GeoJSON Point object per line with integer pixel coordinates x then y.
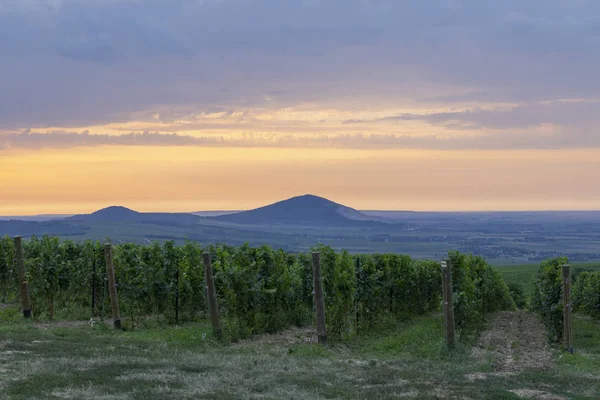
{"type": "Point", "coordinates": [516, 340]}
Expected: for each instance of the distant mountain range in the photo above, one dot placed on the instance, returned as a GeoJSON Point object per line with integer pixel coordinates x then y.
{"type": "Point", "coordinates": [277, 223]}
{"type": "Point", "coordinates": [298, 223]}
{"type": "Point", "coordinates": [302, 210]}
{"type": "Point", "coordinates": [307, 210]}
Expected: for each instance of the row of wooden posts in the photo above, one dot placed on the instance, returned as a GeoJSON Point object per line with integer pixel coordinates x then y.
{"type": "Point", "coordinates": [448, 309]}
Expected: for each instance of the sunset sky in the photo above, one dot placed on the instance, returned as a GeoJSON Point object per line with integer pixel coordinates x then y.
{"type": "Point", "coordinates": [190, 105]}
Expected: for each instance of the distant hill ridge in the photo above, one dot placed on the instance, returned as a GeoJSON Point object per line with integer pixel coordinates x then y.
{"type": "Point", "coordinates": [301, 210]}
{"type": "Point", "coordinates": [306, 210]}
{"type": "Point", "coordinates": [112, 213]}
{"type": "Point", "coordinates": [124, 214]}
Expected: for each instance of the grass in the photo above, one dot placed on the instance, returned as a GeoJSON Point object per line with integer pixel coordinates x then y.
{"type": "Point", "coordinates": [525, 274]}
{"type": "Point", "coordinates": [62, 361]}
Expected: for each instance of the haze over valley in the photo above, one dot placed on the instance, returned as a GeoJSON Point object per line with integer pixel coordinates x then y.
{"type": "Point", "coordinates": [299, 223]}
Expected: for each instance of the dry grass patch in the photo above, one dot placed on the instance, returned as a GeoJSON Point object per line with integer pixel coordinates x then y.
{"type": "Point", "coordinates": [536, 394]}
{"type": "Point", "coordinates": [90, 392]}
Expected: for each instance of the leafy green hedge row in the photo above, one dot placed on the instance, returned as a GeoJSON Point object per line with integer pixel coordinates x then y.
{"type": "Point", "coordinates": [259, 289]}
{"type": "Point", "coordinates": [8, 281]}
{"type": "Point", "coordinates": [478, 290]}
{"type": "Point", "coordinates": [586, 293]}
{"type": "Point", "coordinates": [547, 295]}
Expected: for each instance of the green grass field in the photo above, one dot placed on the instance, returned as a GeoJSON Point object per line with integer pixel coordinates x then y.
{"type": "Point", "coordinates": [67, 360]}
{"type": "Point", "coordinates": [525, 274]}
{"type": "Point", "coordinates": [510, 359]}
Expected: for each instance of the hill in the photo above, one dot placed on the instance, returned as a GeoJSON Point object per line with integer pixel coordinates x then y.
{"type": "Point", "coordinates": [123, 214]}
{"type": "Point", "coordinates": [36, 218]}
{"type": "Point", "coordinates": [301, 210]}
{"type": "Point", "coordinates": [108, 214]}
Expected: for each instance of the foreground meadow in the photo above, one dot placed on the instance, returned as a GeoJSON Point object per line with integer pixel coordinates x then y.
{"type": "Point", "coordinates": [510, 359]}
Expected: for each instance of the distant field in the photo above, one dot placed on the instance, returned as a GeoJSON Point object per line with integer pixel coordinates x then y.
{"type": "Point", "coordinates": [525, 274]}
{"type": "Point", "coordinates": [298, 224]}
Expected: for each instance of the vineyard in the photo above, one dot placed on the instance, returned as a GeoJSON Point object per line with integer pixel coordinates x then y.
{"type": "Point", "coordinates": [385, 316]}
{"type": "Point", "coordinates": [258, 289]}
{"type": "Point", "coordinates": [548, 295]}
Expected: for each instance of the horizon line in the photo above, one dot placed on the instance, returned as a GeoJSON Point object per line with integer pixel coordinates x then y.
{"type": "Point", "coordinates": [42, 215]}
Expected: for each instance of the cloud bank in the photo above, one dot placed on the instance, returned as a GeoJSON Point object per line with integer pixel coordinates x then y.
{"type": "Point", "coordinates": [523, 140]}
{"type": "Point", "coordinates": [74, 63]}
{"type": "Point", "coordinates": [565, 113]}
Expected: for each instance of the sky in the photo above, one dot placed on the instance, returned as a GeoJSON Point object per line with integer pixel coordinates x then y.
{"type": "Point", "coordinates": [190, 105]}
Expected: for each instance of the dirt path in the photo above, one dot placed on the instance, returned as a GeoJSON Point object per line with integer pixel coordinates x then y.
{"type": "Point", "coordinates": [61, 324]}
{"type": "Point", "coordinates": [289, 337]}
{"type": "Point", "coordinates": [517, 341]}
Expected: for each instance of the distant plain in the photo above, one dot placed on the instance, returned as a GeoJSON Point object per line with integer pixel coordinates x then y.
{"type": "Point", "coordinates": [503, 238]}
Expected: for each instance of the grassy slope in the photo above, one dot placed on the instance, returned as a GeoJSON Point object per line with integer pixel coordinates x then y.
{"type": "Point", "coordinates": [175, 363]}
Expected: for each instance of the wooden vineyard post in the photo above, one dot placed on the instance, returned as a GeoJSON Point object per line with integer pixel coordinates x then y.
{"type": "Point", "coordinates": [93, 288]}
{"type": "Point", "coordinates": [112, 286]}
{"type": "Point", "coordinates": [567, 328]}
{"type": "Point", "coordinates": [319, 301]}
{"type": "Point", "coordinates": [212, 295]}
{"type": "Point", "coordinates": [448, 305]}
{"type": "Point", "coordinates": [23, 285]}
{"type": "Point", "coordinates": [356, 305]}
{"type": "Point", "coordinates": [177, 297]}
